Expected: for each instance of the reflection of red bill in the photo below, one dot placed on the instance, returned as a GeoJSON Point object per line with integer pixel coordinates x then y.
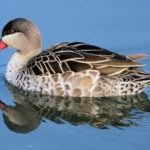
{"type": "Point", "coordinates": [2, 45]}
{"type": "Point", "coordinates": [2, 106]}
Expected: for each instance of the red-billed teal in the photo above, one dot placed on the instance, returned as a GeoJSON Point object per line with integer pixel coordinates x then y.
{"type": "Point", "coordinates": [68, 69]}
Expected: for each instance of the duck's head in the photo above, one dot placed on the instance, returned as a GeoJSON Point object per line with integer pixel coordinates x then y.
{"type": "Point", "coordinates": [22, 35]}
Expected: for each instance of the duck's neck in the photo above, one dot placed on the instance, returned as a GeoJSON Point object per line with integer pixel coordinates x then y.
{"type": "Point", "coordinates": [17, 63]}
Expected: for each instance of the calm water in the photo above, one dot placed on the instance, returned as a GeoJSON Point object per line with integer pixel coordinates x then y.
{"type": "Point", "coordinates": [35, 121]}
{"type": "Point", "coordinates": [32, 121]}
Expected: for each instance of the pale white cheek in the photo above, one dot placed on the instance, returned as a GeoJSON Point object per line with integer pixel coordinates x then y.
{"type": "Point", "coordinates": [16, 40]}
{"type": "Point", "coordinates": [7, 39]}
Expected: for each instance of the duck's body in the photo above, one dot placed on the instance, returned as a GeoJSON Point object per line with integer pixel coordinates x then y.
{"type": "Point", "coordinates": [74, 69]}
{"type": "Point", "coordinates": [77, 69]}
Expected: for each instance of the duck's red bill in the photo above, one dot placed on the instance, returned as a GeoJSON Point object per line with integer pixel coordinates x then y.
{"type": "Point", "coordinates": [2, 45]}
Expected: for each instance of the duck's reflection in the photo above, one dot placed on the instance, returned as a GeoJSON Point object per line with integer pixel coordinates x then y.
{"type": "Point", "coordinates": [32, 108]}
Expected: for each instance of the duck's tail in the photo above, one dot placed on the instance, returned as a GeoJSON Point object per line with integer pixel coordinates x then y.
{"type": "Point", "coordinates": [137, 80]}
{"type": "Point", "coordinates": [141, 77]}
{"type": "Point", "coordinates": [138, 56]}
{"type": "Point", "coordinates": [134, 82]}
{"type": "Point", "coordinates": [145, 80]}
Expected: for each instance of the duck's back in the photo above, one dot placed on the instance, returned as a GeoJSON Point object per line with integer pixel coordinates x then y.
{"type": "Point", "coordinates": [79, 57]}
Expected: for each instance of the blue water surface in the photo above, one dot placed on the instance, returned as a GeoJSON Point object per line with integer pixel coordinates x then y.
{"type": "Point", "coordinates": [121, 26]}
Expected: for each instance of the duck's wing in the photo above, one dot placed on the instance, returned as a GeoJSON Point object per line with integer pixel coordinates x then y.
{"type": "Point", "coordinates": [78, 57]}
{"type": "Point", "coordinates": [138, 56]}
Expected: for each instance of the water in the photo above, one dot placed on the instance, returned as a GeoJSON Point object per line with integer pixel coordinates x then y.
{"type": "Point", "coordinates": [32, 121]}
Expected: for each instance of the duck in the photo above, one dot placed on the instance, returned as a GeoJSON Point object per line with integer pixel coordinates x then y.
{"type": "Point", "coordinates": [71, 69]}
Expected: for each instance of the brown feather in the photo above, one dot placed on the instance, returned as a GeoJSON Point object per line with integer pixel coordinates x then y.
{"type": "Point", "coordinates": [137, 56]}
{"type": "Point", "coordinates": [78, 57]}
{"type": "Point", "coordinates": [112, 70]}
{"type": "Point", "coordinates": [122, 64]}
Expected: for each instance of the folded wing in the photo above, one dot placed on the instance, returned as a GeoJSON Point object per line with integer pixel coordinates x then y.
{"type": "Point", "coordinates": [78, 57]}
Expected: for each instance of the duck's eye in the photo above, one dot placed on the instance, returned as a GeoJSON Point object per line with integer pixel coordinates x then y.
{"type": "Point", "coordinates": [10, 31]}
{"type": "Point", "coordinates": [7, 32]}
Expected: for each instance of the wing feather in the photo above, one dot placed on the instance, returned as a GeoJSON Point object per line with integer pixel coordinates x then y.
{"type": "Point", "coordinates": [77, 57]}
